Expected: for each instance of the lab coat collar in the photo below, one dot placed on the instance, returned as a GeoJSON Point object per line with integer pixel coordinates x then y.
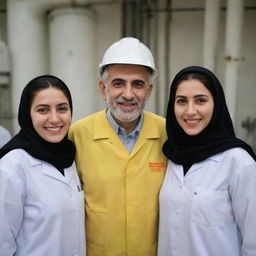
{"type": "Point", "coordinates": [196, 166]}
{"type": "Point", "coordinates": [178, 169]}
{"type": "Point", "coordinates": [51, 171]}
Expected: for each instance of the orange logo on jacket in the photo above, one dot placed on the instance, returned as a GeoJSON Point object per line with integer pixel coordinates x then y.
{"type": "Point", "coordinates": [156, 167]}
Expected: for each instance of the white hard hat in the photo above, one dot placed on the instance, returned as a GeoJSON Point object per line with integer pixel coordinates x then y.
{"type": "Point", "coordinates": [128, 50]}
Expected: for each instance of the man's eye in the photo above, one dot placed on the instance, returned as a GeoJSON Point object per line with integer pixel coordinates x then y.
{"type": "Point", "coordinates": [117, 84]}
{"type": "Point", "coordinates": [138, 85]}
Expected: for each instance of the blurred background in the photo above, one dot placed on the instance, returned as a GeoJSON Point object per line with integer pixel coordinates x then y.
{"type": "Point", "coordinates": [67, 38]}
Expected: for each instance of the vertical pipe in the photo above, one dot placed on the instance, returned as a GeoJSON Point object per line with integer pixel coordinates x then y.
{"type": "Point", "coordinates": [5, 103]}
{"type": "Point", "coordinates": [167, 49]}
{"type": "Point", "coordinates": [233, 43]}
{"type": "Point", "coordinates": [129, 18]}
{"type": "Point", "coordinates": [150, 40]}
{"type": "Point", "coordinates": [72, 55]}
{"type": "Point", "coordinates": [27, 40]}
{"type": "Point", "coordinates": [155, 39]}
{"type": "Point", "coordinates": [211, 23]}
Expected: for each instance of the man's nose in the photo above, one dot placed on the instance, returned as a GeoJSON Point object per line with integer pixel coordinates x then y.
{"type": "Point", "coordinates": [127, 92]}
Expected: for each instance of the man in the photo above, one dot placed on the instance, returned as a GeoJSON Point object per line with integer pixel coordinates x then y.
{"type": "Point", "coordinates": [119, 156]}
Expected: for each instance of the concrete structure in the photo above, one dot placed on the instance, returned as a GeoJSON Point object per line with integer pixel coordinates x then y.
{"type": "Point", "coordinates": [68, 37]}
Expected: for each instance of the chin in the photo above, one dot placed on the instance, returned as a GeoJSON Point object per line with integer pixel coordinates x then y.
{"type": "Point", "coordinates": [192, 133]}
{"type": "Point", "coordinates": [55, 140]}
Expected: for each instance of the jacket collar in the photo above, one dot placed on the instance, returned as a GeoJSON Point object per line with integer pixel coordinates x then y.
{"type": "Point", "coordinates": [102, 128]}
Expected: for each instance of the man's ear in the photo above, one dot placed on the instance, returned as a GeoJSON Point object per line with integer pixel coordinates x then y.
{"type": "Point", "coordinates": [102, 88]}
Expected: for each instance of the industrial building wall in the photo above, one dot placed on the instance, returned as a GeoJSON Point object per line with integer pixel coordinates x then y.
{"type": "Point", "coordinates": [185, 47]}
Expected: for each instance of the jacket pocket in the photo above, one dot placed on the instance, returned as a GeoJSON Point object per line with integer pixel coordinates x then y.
{"type": "Point", "coordinates": [210, 207]}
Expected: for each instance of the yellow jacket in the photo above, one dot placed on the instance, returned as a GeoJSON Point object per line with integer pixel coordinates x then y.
{"type": "Point", "coordinates": [121, 189]}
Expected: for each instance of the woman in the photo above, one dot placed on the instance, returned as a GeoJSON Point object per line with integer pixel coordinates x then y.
{"type": "Point", "coordinates": [208, 198]}
{"type": "Point", "coordinates": [41, 201]}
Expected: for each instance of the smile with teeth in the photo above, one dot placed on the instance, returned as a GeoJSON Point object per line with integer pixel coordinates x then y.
{"type": "Point", "coordinates": [127, 103]}
{"type": "Point", "coordinates": [53, 128]}
{"type": "Point", "coordinates": [192, 121]}
{"type": "Point", "coordinates": [127, 106]}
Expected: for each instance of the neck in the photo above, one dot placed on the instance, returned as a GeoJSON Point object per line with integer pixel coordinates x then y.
{"type": "Point", "coordinates": [128, 126]}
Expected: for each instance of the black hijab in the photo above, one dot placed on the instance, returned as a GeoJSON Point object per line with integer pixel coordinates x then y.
{"type": "Point", "coordinates": [218, 136]}
{"type": "Point", "coordinates": [61, 154]}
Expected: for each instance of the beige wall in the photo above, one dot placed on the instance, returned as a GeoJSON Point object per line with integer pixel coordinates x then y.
{"type": "Point", "coordinates": [186, 32]}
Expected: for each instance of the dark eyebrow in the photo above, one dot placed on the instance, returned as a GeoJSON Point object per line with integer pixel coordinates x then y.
{"type": "Point", "coordinates": [180, 96]}
{"type": "Point", "coordinates": [41, 105]}
{"type": "Point", "coordinates": [196, 96]}
{"type": "Point", "coordinates": [117, 80]}
{"type": "Point", "coordinates": [201, 95]}
{"type": "Point", "coordinates": [45, 105]}
{"type": "Point", "coordinates": [138, 81]}
{"type": "Point", "coordinates": [64, 103]}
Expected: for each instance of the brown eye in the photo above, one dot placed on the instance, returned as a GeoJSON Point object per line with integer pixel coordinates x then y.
{"type": "Point", "coordinates": [63, 109]}
{"type": "Point", "coordinates": [42, 110]}
{"type": "Point", "coordinates": [181, 101]}
{"type": "Point", "coordinates": [138, 84]}
{"type": "Point", "coordinates": [117, 83]}
{"type": "Point", "coordinates": [201, 100]}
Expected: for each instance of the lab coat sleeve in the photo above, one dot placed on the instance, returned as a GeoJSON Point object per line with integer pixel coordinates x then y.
{"type": "Point", "coordinates": [11, 207]}
{"type": "Point", "coordinates": [243, 196]}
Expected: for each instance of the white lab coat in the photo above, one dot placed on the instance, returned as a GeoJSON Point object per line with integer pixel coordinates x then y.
{"type": "Point", "coordinates": [41, 211]}
{"type": "Point", "coordinates": [211, 211]}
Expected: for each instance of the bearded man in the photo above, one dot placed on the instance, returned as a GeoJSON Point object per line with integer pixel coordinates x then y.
{"type": "Point", "coordinates": [119, 156]}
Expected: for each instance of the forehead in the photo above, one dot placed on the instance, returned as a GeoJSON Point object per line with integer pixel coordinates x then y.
{"type": "Point", "coordinates": [128, 71]}
{"type": "Point", "coordinates": [49, 95]}
{"type": "Point", "coordinates": [192, 87]}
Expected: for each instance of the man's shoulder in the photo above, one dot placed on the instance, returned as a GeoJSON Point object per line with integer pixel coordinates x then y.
{"type": "Point", "coordinates": [154, 117]}
{"type": "Point", "coordinates": [88, 120]}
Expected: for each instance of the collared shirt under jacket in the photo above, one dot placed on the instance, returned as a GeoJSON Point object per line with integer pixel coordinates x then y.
{"type": "Point", "coordinates": [121, 188]}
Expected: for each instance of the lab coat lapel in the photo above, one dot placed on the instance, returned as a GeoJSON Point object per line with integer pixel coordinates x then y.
{"type": "Point", "coordinates": [68, 173]}
{"type": "Point", "coordinates": [178, 170]}
{"type": "Point", "coordinates": [51, 171]}
{"type": "Point", "coordinates": [195, 167]}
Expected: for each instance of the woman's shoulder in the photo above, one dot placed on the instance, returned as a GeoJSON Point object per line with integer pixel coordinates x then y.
{"type": "Point", "coordinates": [14, 155]}
{"type": "Point", "coordinates": [239, 155]}
{"type": "Point", "coordinates": [17, 157]}
{"type": "Point", "coordinates": [13, 165]}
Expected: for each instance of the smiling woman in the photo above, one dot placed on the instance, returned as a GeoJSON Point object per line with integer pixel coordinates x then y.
{"type": "Point", "coordinates": [208, 197]}
{"type": "Point", "coordinates": [193, 106]}
{"type": "Point", "coordinates": [51, 114]}
{"type": "Point", "coordinates": [46, 202]}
